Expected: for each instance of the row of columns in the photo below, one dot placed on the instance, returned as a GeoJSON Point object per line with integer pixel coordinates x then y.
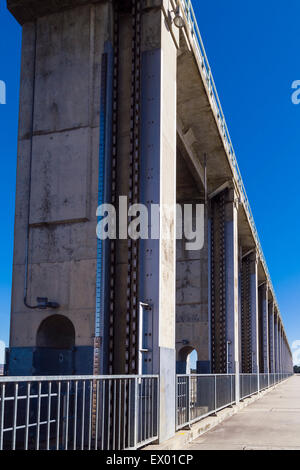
{"type": "Point", "coordinates": [255, 338]}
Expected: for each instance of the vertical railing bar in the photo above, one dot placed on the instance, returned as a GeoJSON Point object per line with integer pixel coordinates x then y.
{"type": "Point", "coordinates": [67, 415]}
{"type": "Point", "coordinates": [152, 407]}
{"type": "Point", "coordinates": [58, 415]}
{"type": "Point", "coordinates": [97, 414]}
{"type": "Point", "coordinates": [136, 412]}
{"type": "Point", "coordinates": [176, 400]}
{"type": "Point", "coordinates": [83, 416]}
{"type": "Point", "coordinates": [49, 414]}
{"type": "Point", "coordinates": [144, 398]}
{"type": "Point", "coordinates": [215, 392]}
{"type": "Point", "coordinates": [75, 416]}
{"type": "Point", "coordinates": [109, 414]}
{"type": "Point", "coordinates": [125, 413]}
{"type": "Point", "coordinates": [114, 415]}
{"type": "Point", "coordinates": [158, 403]}
{"type": "Point", "coordinates": [140, 422]}
{"type": "Point", "coordinates": [37, 445]}
{"type": "Point", "coordinates": [129, 412]}
{"type": "Point", "coordinates": [15, 416]}
{"type": "Point", "coordinates": [90, 415]}
{"type": "Point", "coordinates": [149, 408]}
{"type": "Point", "coordinates": [27, 415]}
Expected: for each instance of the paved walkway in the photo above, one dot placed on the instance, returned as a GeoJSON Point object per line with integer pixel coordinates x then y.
{"type": "Point", "coordinates": [271, 423]}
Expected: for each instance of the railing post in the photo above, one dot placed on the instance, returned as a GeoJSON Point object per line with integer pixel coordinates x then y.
{"type": "Point", "coordinates": [237, 382]}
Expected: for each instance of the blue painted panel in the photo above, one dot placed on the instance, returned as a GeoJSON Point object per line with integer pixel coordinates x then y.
{"type": "Point", "coordinates": [19, 361]}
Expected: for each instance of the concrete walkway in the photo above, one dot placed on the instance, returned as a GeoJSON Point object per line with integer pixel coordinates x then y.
{"type": "Point", "coordinates": [271, 423]}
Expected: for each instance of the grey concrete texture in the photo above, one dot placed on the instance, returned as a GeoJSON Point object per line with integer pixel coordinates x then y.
{"type": "Point", "coordinates": [64, 78]}
{"type": "Point", "coordinates": [29, 10]}
{"type": "Point", "coordinates": [272, 423]}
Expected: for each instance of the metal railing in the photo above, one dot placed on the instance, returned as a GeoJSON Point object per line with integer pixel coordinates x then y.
{"type": "Point", "coordinates": [254, 383]}
{"type": "Point", "coordinates": [78, 412]}
{"type": "Point", "coordinates": [200, 395]}
{"type": "Point", "coordinates": [208, 80]}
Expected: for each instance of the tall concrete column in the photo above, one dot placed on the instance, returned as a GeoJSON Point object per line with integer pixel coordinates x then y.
{"type": "Point", "coordinates": [254, 312]}
{"type": "Point", "coordinates": [271, 337]}
{"type": "Point", "coordinates": [55, 246]}
{"type": "Point", "coordinates": [232, 282]}
{"type": "Point", "coordinates": [276, 341]}
{"type": "Point", "coordinates": [158, 186]}
{"type": "Point", "coordinates": [265, 327]}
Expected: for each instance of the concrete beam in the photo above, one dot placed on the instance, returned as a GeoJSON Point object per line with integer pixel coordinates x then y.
{"type": "Point", "coordinates": [271, 336]}
{"type": "Point", "coordinates": [29, 10]}
{"type": "Point", "coordinates": [254, 312]}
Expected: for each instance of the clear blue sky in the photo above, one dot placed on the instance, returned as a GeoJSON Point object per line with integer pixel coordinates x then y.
{"type": "Point", "coordinates": [253, 48]}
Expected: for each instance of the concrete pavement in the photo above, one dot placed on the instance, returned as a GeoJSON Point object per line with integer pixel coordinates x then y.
{"type": "Point", "coordinates": [271, 423]}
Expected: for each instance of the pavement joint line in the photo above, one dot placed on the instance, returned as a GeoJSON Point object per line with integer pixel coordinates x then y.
{"type": "Point", "coordinates": [182, 438]}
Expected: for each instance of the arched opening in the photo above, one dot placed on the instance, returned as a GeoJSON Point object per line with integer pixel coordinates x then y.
{"type": "Point", "coordinates": [55, 342]}
{"type": "Point", "coordinates": [56, 332]}
{"type": "Point", "coordinates": [187, 360]}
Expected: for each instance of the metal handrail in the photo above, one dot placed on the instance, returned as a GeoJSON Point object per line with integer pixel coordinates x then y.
{"type": "Point", "coordinates": [73, 378]}
{"type": "Point", "coordinates": [191, 23]}
{"type": "Point", "coordinates": [80, 412]}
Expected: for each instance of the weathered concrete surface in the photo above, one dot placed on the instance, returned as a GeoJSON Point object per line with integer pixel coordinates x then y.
{"type": "Point", "coordinates": [272, 423]}
{"type": "Point", "coordinates": [29, 10]}
{"type": "Point", "coordinates": [192, 321]}
{"type": "Point", "coordinates": [184, 438]}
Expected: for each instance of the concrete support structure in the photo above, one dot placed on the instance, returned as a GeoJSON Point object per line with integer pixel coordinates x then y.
{"type": "Point", "coordinates": [158, 133]}
{"type": "Point", "coordinates": [55, 246]}
{"type": "Point", "coordinates": [254, 312]}
{"type": "Point", "coordinates": [276, 350]}
{"type": "Point", "coordinates": [232, 284]}
{"type": "Point", "coordinates": [115, 101]}
{"type": "Point", "coordinates": [271, 336]}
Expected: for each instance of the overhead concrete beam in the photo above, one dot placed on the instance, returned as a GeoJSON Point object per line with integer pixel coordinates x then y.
{"type": "Point", "coordinates": [189, 140]}
{"type": "Point", "coordinates": [28, 10]}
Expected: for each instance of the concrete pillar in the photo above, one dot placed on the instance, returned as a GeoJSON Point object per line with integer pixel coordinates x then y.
{"type": "Point", "coordinates": [271, 337]}
{"type": "Point", "coordinates": [158, 186]}
{"type": "Point", "coordinates": [232, 284]}
{"type": "Point", "coordinates": [265, 327]}
{"type": "Point", "coordinates": [254, 313]}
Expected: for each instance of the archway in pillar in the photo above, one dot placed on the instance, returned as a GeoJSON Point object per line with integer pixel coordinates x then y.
{"type": "Point", "coordinates": [55, 341]}
{"type": "Point", "coordinates": [187, 360]}
{"type": "Point", "coordinates": [56, 332]}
